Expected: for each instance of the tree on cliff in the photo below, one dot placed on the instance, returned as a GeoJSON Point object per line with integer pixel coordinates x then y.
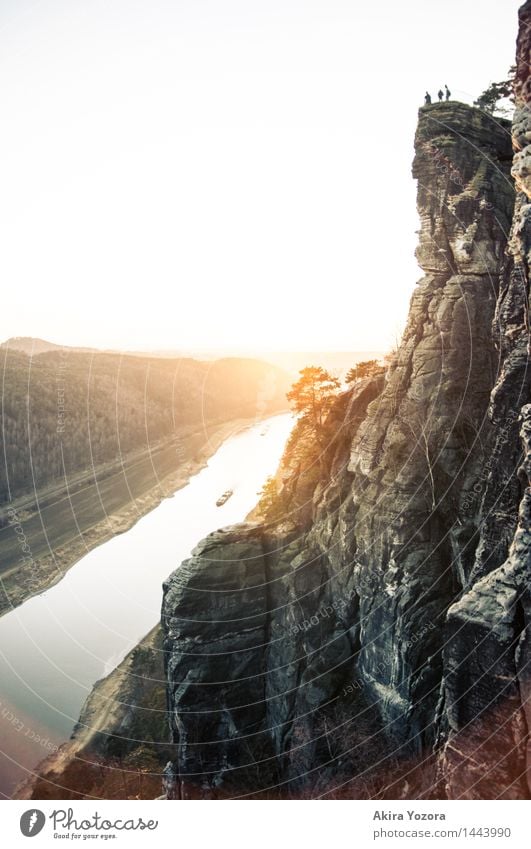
{"type": "Point", "coordinates": [270, 503]}
{"type": "Point", "coordinates": [490, 99]}
{"type": "Point", "coordinates": [313, 395]}
{"type": "Point", "coordinates": [364, 369]}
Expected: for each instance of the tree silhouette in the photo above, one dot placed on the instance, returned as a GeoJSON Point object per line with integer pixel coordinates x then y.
{"type": "Point", "coordinates": [270, 502]}
{"type": "Point", "coordinates": [367, 368]}
{"type": "Point", "coordinates": [313, 394]}
{"type": "Point", "coordinates": [490, 98]}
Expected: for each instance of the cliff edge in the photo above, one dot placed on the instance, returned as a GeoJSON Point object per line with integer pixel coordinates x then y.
{"type": "Point", "coordinates": [368, 642]}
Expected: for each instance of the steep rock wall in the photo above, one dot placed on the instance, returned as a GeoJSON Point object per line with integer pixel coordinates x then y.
{"type": "Point", "coordinates": [486, 688]}
{"type": "Point", "coordinates": [317, 656]}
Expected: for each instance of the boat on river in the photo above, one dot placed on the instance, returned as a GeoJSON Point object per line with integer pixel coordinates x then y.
{"type": "Point", "coordinates": [224, 498]}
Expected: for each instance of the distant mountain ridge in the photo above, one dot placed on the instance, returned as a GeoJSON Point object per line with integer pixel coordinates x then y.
{"type": "Point", "coordinates": [32, 346]}
{"type": "Point", "coordinates": [338, 362]}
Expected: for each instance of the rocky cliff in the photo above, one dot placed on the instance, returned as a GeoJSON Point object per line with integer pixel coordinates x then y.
{"type": "Point", "coordinates": [486, 687]}
{"type": "Point", "coordinates": [371, 640]}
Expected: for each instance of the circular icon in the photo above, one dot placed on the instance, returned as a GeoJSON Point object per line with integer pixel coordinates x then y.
{"type": "Point", "coordinates": [31, 822]}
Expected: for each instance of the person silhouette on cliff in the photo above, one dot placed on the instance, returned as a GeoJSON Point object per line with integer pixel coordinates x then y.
{"type": "Point", "coordinates": [448, 92]}
{"type": "Point", "coordinates": [427, 98]}
{"type": "Point", "coordinates": [440, 95]}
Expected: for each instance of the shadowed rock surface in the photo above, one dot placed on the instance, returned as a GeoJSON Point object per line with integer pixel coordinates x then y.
{"type": "Point", "coordinates": [486, 688]}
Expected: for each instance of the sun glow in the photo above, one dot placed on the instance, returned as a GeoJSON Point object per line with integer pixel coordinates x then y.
{"type": "Point", "coordinates": [224, 174]}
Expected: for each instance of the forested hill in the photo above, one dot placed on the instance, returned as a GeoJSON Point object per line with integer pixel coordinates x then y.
{"type": "Point", "coordinates": [66, 411]}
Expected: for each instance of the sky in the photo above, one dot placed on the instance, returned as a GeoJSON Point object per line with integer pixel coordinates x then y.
{"type": "Point", "coordinates": [222, 174]}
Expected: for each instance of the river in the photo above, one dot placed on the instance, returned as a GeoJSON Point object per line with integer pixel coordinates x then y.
{"type": "Point", "coordinates": [55, 646]}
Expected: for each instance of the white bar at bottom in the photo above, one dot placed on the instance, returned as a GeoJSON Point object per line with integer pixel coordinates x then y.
{"type": "Point", "coordinates": [269, 824]}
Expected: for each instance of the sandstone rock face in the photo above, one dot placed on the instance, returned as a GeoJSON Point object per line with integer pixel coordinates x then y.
{"type": "Point", "coordinates": [486, 686]}
{"type": "Point", "coordinates": [486, 672]}
{"type": "Point", "coordinates": [370, 642]}
{"type": "Point", "coordinates": [422, 447]}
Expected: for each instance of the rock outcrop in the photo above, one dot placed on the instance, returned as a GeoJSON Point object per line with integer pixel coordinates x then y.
{"type": "Point", "coordinates": [371, 641]}
{"type": "Point", "coordinates": [486, 688]}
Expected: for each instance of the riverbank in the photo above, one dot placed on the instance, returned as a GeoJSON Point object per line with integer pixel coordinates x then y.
{"type": "Point", "coordinates": [120, 744]}
{"type": "Point", "coordinates": [45, 537]}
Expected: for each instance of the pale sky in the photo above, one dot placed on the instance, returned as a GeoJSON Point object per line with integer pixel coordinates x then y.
{"type": "Point", "coordinates": [222, 173]}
